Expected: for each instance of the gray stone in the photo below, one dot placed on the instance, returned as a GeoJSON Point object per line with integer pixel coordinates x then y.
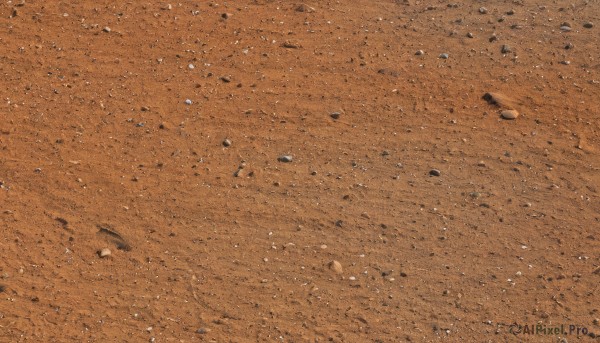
{"type": "Point", "coordinates": [285, 158]}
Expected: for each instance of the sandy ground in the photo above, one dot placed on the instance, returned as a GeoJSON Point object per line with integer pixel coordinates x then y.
{"type": "Point", "coordinates": [215, 243]}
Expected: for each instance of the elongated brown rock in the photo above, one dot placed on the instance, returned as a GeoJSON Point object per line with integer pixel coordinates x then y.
{"type": "Point", "coordinates": [509, 114]}
{"type": "Point", "coordinates": [500, 100]}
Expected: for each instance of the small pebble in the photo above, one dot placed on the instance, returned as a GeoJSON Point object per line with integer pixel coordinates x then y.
{"type": "Point", "coordinates": [285, 158]}
{"type": "Point", "coordinates": [226, 15]}
{"type": "Point", "coordinates": [203, 331]}
{"type": "Point", "coordinates": [104, 252]}
{"type": "Point", "coordinates": [444, 56]}
{"type": "Point", "coordinates": [226, 79]}
{"type": "Point", "coordinates": [506, 49]}
{"type": "Point", "coordinates": [419, 52]}
{"type": "Point", "coordinates": [336, 267]}
{"type": "Point", "coordinates": [483, 10]}
{"type": "Point", "coordinates": [568, 46]}
{"type": "Point", "coordinates": [435, 172]}
{"type": "Point", "coordinates": [106, 29]}
{"type": "Point", "coordinates": [588, 25]}
{"type": "Point", "coordinates": [335, 115]}
{"type": "Point", "coordinates": [191, 66]}
{"type": "Point", "coordinates": [469, 35]}
{"type": "Point", "coordinates": [352, 278]}
{"type": "Point", "coordinates": [227, 142]}
{"type": "Point", "coordinates": [509, 114]}
{"type": "Point", "coordinates": [565, 28]}
{"type": "Point", "coordinates": [188, 101]}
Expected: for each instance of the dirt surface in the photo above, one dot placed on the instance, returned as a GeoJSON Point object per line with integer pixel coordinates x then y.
{"type": "Point", "coordinates": [226, 242]}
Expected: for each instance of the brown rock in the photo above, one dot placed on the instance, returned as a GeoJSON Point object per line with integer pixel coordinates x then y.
{"type": "Point", "coordinates": [500, 100]}
{"type": "Point", "coordinates": [336, 267]}
{"type": "Point", "coordinates": [509, 114]}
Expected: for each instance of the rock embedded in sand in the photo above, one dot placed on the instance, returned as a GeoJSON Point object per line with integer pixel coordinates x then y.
{"type": "Point", "coordinates": [285, 158]}
{"type": "Point", "coordinates": [483, 10]}
{"type": "Point", "coordinates": [509, 114]}
{"type": "Point", "coordinates": [336, 267]}
{"type": "Point", "coordinates": [335, 115]}
{"type": "Point", "coordinates": [304, 8]}
{"type": "Point", "coordinates": [588, 25]}
{"type": "Point", "coordinates": [500, 100]}
{"type": "Point", "coordinates": [227, 142]}
{"type": "Point", "coordinates": [104, 253]}
{"type": "Point", "coordinates": [203, 331]}
{"type": "Point", "coordinates": [444, 56]}
{"type": "Point", "coordinates": [419, 52]}
{"type": "Point", "coordinates": [435, 172]}
{"type": "Point", "coordinates": [505, 49]}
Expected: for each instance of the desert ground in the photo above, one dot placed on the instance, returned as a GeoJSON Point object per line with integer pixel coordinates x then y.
{"type": "Point", "coordinates": [280, 171]}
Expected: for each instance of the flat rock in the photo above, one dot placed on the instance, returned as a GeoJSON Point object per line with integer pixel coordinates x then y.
{"type": "Point", "coordinates": [509, 114]}
{"type": "Point", "coordinates": [304, 8]}
{"type": "Point", "coordinates": [500, 100]}
{"type": "Point", "coordinates": [285, 158]}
